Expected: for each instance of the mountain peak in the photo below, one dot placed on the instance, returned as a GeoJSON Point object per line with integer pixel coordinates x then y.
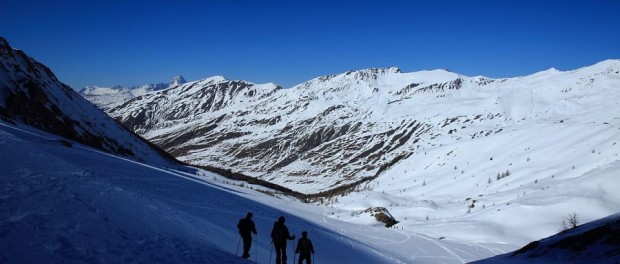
{"type": "Point", "coordinates": [355, 75]}
{"type": "Point", "coordinates": [213, 79]}
{"type": "Point", "coordinates": [3, 42]}
{"type": "Point", "coordinates": [177, 80]}
{"type": "Point", "coordinates": [373, 71]}
{"type": "Point", "coordinates": [550, 71]}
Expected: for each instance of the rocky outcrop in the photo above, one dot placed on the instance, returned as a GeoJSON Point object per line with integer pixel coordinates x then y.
{"type": "Point", "coordinates": [381, 214]}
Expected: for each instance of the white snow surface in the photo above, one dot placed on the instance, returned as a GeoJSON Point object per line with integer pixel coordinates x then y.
{"type": "Point", "coordinates": [76, 204]}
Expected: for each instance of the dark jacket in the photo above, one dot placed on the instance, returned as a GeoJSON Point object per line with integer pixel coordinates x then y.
{"type": "Point", "coordinates": [279, 233]}
{"type": "Point", "coordinates": [246, 227]}
{"type": "Point", "coordinates": [304, 246]}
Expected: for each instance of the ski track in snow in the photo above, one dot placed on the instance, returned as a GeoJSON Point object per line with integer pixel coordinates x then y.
{"type": "Point", "coordinates": [442, 247]}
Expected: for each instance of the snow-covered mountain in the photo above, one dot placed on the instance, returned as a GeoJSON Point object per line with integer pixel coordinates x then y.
{"type": "Point", "coordinates": [110, 97]}
{"type": "Point", "coordinates": [31, 94]}
{"type": "Point", "coordinates": [340, 130]}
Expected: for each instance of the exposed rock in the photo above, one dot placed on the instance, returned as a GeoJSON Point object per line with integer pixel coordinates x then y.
{"type": "Point", "coordinates": [382, 215]}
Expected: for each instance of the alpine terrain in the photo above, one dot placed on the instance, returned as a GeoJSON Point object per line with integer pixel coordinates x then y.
{"type": "Point", "coordinates": [459, 168]}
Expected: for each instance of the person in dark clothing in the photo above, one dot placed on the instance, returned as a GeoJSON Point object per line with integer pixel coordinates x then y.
{"type": "Point", "coordinates": [279, 235]}
{"type": "Point", "coordinates": [304, 248]}
{"type": "Point", "coordinates": [246, 228]}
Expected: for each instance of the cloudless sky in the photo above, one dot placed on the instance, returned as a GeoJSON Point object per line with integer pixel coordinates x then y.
{"type": "Point", "coordinates": [88, 42]}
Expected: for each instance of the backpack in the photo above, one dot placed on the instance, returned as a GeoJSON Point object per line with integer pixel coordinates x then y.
{"type": "Point", "coordinates": [279, 232]}
{"type": "Point", "coordinates": [244, 226]}
{"type": "Point", "coordinates": [304, 246]}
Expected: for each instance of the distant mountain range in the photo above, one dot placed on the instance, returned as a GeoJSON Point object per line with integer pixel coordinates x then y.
{"type": "Point", "coordinates": [110, 97]}
{"type": "Point", "coordinates": [337, 131]}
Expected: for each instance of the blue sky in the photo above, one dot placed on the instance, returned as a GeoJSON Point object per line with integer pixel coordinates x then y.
{"type": "Point", "coordinates": [87, 42]}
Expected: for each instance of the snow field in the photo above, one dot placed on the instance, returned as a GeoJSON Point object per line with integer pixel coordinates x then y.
{"type": "Point", "coordinates": [77, 204]}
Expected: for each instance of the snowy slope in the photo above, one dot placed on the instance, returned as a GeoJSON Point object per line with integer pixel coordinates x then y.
{"type": "Point", "coordinates": [110, 97]}
{"type": "Point", "coordinates": [30, 93]}
{"type": "Point", "coordinates": [76, 204]}
{"type": "Point", "coordinates": [594, 242]}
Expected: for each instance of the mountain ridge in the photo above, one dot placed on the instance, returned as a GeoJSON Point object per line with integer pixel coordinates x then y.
{"type": "Point", "coordinates": [379, 114]}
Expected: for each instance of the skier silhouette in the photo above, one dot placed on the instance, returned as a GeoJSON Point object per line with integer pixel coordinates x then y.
{"type": "Point", "coordinates": [246, 228]}
{"type": "Point", "coordinates": [279, 235]}
{"type": "Point", "coordinates": [304, 248]}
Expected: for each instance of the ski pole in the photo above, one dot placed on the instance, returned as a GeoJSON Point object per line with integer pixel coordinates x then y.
{"type": "Point", "coordinates": [256, 249]}
{"type": "Point", "coordinates": [238, 241]}
{"type": "Point", "coordinates": [294, 257]}
{"type": "Point", "coordinates": [271, 252]}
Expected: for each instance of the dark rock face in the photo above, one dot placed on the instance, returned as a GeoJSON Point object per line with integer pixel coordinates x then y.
{"type": "Point", "coordinates": [31, 94]}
